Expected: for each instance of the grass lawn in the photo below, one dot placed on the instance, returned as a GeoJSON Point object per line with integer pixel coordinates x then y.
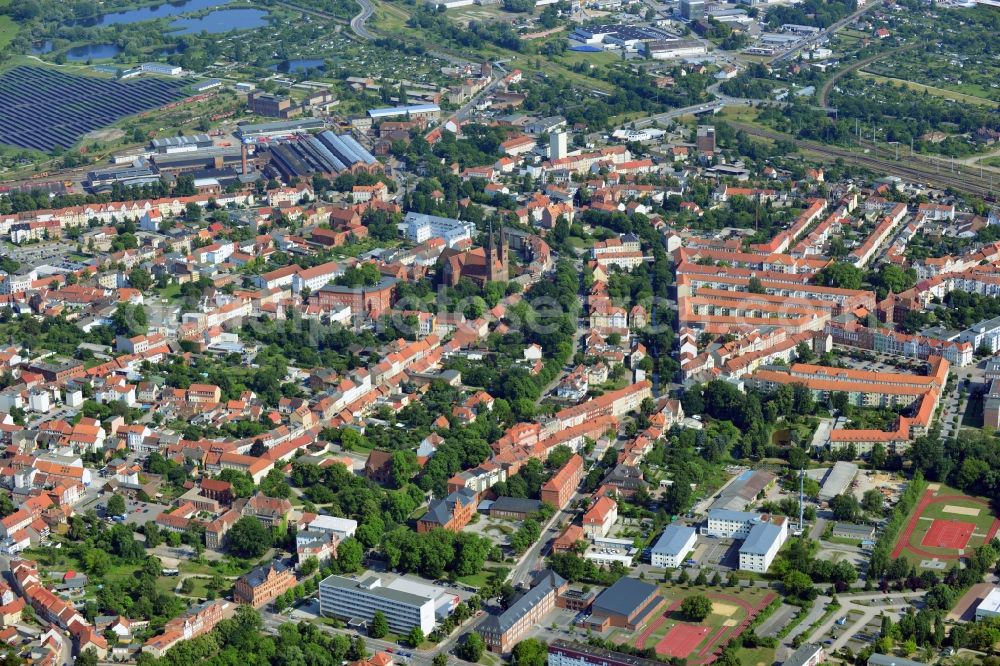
{"type": "Point", "coordinates": [755, 656]}
{"type": "Point", "coordinates": [938, 92]}
{"type": "Point", "coordinates": [570, 58]}
{"type": "Point", "coordinates": [171, 291]}
{"type": "Point", "coordinates": [8, 30]}
{"type": "Point", "coordinates": [991, 162]}
{"type": "Point", "coordinates": [475, 580]}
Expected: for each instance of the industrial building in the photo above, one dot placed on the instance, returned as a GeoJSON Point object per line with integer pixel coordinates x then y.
{"type": "Point", "coordinates": [138, 173]}
{"type": "Point", "coordinates": [414, 111]}
{"type": "Point", "coordinates": [617, 35]}
{"type": "Point", "coordinates": [180, 144]}
{"type": "Point", "coordinates": [358, 599]}
{"type": "Point", "coordinates": [326, 154]}
{"type": "Point", "coordinates": [272, 106]}
{"type": "Point", "coordinates": [673, 544]}
{"type": "Point", "coordinates": [743, 490]}
{"type": "Point", "coordinates": [277, 130]}
{"type": "Point", "coordinates": [837, 480]}
{"type": "Point", "coordinates": [665, 49]}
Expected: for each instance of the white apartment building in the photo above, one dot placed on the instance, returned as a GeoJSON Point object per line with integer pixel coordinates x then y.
{"type": "Point", "coordinates": [673, 544]}
{"type": "Point", "coordinates": [727, 524]}
{"type": "Point", "coordinates": [985, 333]}
{"type": "Point", "coordinates": [359, 599]}
{"type": "Point", "coordinates": [762, 545]}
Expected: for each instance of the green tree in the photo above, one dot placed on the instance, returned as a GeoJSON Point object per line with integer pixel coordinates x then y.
{"type": "Point", "coordinates": [797, 583]}
{"type": "Point", "coordinates": [872, 501]}
{"type": "Point", "coordinates": [350, 555]}
{"type": "Point", "coordinates": [139, 278]}
{"type": "Point", "coordinates": [529, 652]}
{"type": "Point", "coordinates": [471, 649]}
{"type": "Point", "coordinates": [415, 637]}
{"type": "Point", "coordinates": [116, 505]}
{"type": "Point", "coordinates": [248, 537]}
{"type": "Point", "coordinates": [379, 627]}
{"type": "Point", "coordinates": [697, 607]}
{"type": "Point", "coordinates": [440, 659]}
{"type": "Point", "coordinates": [845, 507]}
{"type": "Point", "coordinates": [86, 658]}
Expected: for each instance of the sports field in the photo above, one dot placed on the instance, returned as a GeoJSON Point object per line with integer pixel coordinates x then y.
{"type": "Point", "coordinates": [944, 526]}
{"type": "Point", "coordinates": [671, 635]}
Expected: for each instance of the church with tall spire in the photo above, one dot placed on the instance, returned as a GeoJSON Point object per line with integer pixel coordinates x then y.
{"type": "Point", "coordinates": [481, 264]}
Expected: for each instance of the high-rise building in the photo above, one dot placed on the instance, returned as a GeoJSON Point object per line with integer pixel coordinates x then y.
{"type": "Point", "coordinates": [557, 145]}
{"type": "Point", "coordinates": [704, 140]}
{"type": "Point", "coordinates": [692, 10]}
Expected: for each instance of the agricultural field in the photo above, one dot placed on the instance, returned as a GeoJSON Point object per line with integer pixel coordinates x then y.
{"type": "Point", "coordinates": [944, 526]}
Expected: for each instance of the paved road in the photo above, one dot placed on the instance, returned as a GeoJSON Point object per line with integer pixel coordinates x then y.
{"type": "Point", "coordinates": [358, 22]}
{"type": "Point", "coordinates": [823, 34]}
{"type": "Point", "coordinates": [532, 558]}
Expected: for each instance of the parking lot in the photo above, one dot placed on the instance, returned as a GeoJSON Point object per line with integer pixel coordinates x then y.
{"type": "Point", "coordinates": [138, 513]}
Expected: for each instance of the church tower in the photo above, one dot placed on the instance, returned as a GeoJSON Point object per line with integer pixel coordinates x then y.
{"type": "Point", "coordinates": [496, 258]}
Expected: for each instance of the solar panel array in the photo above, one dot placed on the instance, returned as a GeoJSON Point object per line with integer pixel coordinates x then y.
{"type": "Point", "coordinates": [44, 109]}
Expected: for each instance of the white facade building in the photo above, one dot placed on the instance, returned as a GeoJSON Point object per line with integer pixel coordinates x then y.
{"type": "Point", "coordinates": [419, 227]}
{"type": "Point", "coordinates": [359, 599]}
{"type": "Point", "coordinates": [672, 545]}
{"type": "Point", "coordinates": [762, 545]}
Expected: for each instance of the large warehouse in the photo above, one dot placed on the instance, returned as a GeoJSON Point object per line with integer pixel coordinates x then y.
{"type": "Point", "coordinates": [325, 154]}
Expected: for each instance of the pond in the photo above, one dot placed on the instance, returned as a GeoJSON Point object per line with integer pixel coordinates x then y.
{"type": "Point", "coordinates": [92, 52]}
{"type": "Point", "coordinates": [299, 65]}
{"type": "Point", "coordinates": [224, 20]}
{"type": "Point", "coordinates": [164, 10]}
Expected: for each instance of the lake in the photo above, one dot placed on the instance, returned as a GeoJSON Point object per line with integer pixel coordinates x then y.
{"type": "Point", "coordinates": [164, 10]}
{"type": "Point", "coordinates": [223, 20]}
{"type": "Point", "coordinates": [298, 65]}
{"type": "Point", "coordinates": [92, 52]}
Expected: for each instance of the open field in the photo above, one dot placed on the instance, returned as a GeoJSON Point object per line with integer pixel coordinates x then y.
{"type": "Point", "coordinates": [944, 525]}
{"type": "Point", "coordinates": [937, 92]}
{"type": "Point", "coordinates": [8, 30]}
{"type": "Point", "coordinates": [671, 635]}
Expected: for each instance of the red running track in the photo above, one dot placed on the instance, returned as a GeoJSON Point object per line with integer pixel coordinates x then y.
{"type": "Point", "coordinates": [903, 543]}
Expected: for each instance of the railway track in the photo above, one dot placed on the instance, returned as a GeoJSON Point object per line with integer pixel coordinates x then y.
{"type": "Point", "coordinates": [914, 169]}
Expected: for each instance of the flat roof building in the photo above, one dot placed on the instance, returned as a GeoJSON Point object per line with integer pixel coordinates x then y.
{"type": "Point", "coordinates": [412, 111]}
{"type": "Point", "coordinates": [360, 598]}
{"type": "Point", "coordinates": [990, 606]}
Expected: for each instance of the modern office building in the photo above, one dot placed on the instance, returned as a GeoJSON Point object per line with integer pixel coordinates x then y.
{"type": "Point", "coordinates": [360, 598]}
{"type": "Point", "coordinates": [692, 10]}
